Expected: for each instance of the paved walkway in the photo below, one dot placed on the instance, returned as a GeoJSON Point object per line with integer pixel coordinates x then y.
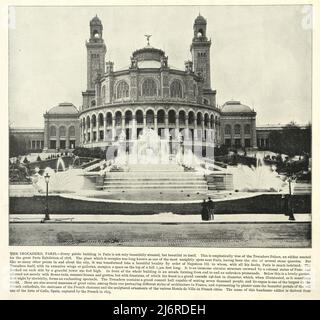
{"type": "Point", "coordinates": [160, 218]}
{"type": "Point", "coordinates": [223, 235]}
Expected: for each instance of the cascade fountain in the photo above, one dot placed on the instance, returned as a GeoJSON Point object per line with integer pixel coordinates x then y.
{"type": "Point", "coordinates": [60, 163]}
{"type": "Point", "coordinates": [149, 148]}
{"type": "Point", "coordinates": [76, 161]}
{"type": "Point", "coordinates": [260, 178]}
{"type": "Point", "coordinates": [147, 165]}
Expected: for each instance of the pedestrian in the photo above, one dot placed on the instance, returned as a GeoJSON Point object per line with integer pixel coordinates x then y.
{"type": "Point", "coordinates": [284, 205]}
{"type": "Point", "coordinates": [210, 204]}
{"type": "Point", "coordinates": [204, 211]}
{"type": "Point", "coordinates": [290, 210]}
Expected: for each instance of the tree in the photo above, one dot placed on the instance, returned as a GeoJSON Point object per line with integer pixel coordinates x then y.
{"type": "Point", "coordinates": [275, 141]}
{"type": "Point", "coordinates": [17, 147]}
{"type": "Point", "coordinates": [292, 140]}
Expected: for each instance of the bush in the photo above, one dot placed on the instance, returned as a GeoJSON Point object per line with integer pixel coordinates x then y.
{"type": "Point", "coordinates": [25, 160]}
{"type": "Point", "coordinates": [38, 158]}
{"type": "Point", "coordinates": [89, 153]}
{"type": "Point", "coordinates": [223, 150]}
{"type": "Point", "coordinates": [17, 146]}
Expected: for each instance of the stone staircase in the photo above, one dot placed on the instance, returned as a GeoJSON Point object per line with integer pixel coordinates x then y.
{"type": "Point", "coordinates": [94, 164]}
{"type": "Point", "coordinates": [155, 178]}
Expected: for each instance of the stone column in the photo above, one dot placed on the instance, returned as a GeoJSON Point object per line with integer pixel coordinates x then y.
{"type": "Point", "coordinates": [166, 130]}
{"type": "Point", "coordinates": [46, 134]}
{"type": "Point", "coordinates": [85, 140]}
{"type": "Point", "coordinates": [144, 121]}
{"type": "Point", "coordinates": [242, 135]}
{"type": "Point", "coordinates": [105, 127]}
{"type": "Point", "coordinates": [254, 133]}
{"type": "Point", "coordinates": [113, 128]}
{"type": "Point", "coordinates": [195, 130]}
{"type": "Point", "coordinates": [67, 139]}
{"type": "Point", "coordinates": [156, 123]}
{"type": "Point", "coordinates": [91, 130]}
{"type": "Point", "coordinates": [58, 138]}
{"type": "Point", "coordinates": [123, 122]}
{"type": "Point", "coordinates": [187, 128]}
{"type": "Point", "coordinates": [134, 128]}
{"type": "Point", "coordinates": [177, 126]}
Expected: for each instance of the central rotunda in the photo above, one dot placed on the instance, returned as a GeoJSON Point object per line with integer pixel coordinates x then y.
{"type": "Point", "coordinates": [178, 105]}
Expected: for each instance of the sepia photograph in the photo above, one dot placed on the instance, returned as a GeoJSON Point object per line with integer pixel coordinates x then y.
{"type": "Point", "coordinates": [160, 126]}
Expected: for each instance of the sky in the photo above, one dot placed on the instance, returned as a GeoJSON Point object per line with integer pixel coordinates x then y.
{"type": "Point", "coordinates": [260, 55]}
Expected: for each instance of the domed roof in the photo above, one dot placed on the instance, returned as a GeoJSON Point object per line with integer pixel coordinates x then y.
{"type": "Point", "coordinates": [64, 108]}
{"type": "Point", "coordinates": [200, 19]}
{"type": "Point", "coordinates": [95, 20]}
{"type": "Point", "coordinates": [235, 107]}
{"type": "Point", "coordinates": [148, 53]}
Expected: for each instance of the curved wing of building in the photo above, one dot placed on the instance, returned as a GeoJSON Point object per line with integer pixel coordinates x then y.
{"type": "Point", "coordinates": [149, 93]}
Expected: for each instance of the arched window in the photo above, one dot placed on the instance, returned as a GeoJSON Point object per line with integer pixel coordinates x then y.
{"type": "Point", "coordinates": [53, 131]}
{"type": "Point", "coordinates": [88, 122]}
{"type": "Point", "coordinates": [100, 119]}
{"type": "Point", "coordinates": [247, 129]}
{"type": "Point", "coordinates": [128, 117]}
{"type": "Point", "coordinates": [172, 117]}
{"type": "Point", "coordinates": [122, 90]}
{"type": "Point", "coordinates": [62, 131]}
{"type": "Point", "coordinates": [161, 116]}
{"type": "Point", "coordinates": [237, 129]}
{"type": "Point", "coordinates": [139, 117]}
{"type": "Point", "coordinates": [199, 119]}
{"type": "Point", "coordinates": [149, 88]}
{"type": "Point", "coordinates": [212, 121]}
{"type": "Point", "coordinates": [150, 117]}
{"type": "Point", "coordinates": [182, 117]}
{"type": "Point", "coordinates": [206, 120]}
{"type": "Point", "coordinates": [227, 129]}
{"type": "Point", "coordinates": [94, 120]}
{"type": "Point", "coordinates": [109, 119]}
{"type": "Point", "coordinates": [191, 118]}
{"type": "Point", "coordinates": [176, 89]}
{"type": "Point", "coordinates": [72, 131]}
{"type": "Point", "coordinates": [96, 34]}
{"type": "Point", "coordinates": [118, 118]}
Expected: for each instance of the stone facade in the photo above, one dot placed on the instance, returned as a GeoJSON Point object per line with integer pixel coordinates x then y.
{"type": "Point", "coordinates": [150, 94]}
{"type": "Point", "coordinates": [178, 104]}
{"type": "Point", "coordinates": [263, 133]}
{"type": "Point", "coordinates": [238, 125]}
{"type": "Point", "coordinates": [31, 138]}
{"type": "Point", "coordinates": [61, 128]}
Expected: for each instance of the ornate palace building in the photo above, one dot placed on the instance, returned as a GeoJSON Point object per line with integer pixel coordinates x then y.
{"type": "Point", "coordinates": [180, 105]}
{"type": "Point", "coordinates": [149, 93]}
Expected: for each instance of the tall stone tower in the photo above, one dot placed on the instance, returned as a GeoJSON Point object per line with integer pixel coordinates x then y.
{"type": "Point", "coordinates": [200, 50]}
{"type": "Point", "coordinates": [96, 51]}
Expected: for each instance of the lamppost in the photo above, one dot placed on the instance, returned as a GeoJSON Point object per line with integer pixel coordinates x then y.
{"type": "Point", "coordinates": [47, 178]}
{"type": "Point", "coordinates": [290, 208]}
